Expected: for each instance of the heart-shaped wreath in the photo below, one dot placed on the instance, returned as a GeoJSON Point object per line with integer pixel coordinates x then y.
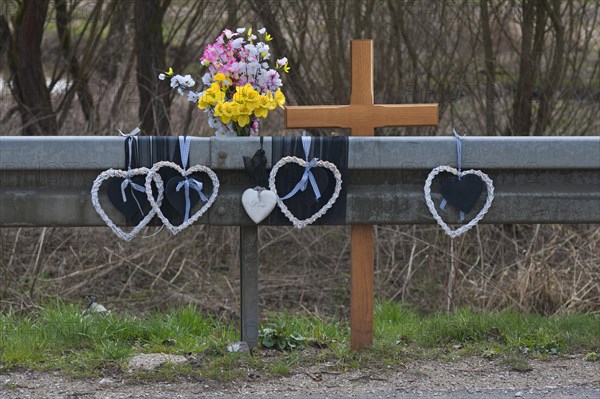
{"type": "Point", "coordinates": [322, 164]}
{"type": "Point", "coordinates": [127, 175]}
{"type": "Point", "coordinates": [488, 202]}
{"type": "Point", "coordinates": [153, 176]}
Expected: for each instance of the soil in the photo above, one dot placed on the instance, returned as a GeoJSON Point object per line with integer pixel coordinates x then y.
{"type": "Point", "coordinates": [476, 377]}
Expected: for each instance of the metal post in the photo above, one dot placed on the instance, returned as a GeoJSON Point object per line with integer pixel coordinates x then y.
{"type": "Point", "coordinates": [249, 284]}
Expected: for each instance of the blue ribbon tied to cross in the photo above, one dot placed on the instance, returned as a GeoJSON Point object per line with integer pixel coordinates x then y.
{"type": "Point", "coordinates": [189, 182]}
{"type": "Point", "coordinates": [307, 175]}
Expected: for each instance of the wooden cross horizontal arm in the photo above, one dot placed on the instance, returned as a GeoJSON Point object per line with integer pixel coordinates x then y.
{"type": "Point", "coordinates": [361, 116]}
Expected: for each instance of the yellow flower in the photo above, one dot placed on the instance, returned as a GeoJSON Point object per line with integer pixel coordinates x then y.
{"type": "Point", "coordinates": [203, 102]}
{"type": "Point", "coordinates": [262, 111]}
{"type": "Point", "coordinates": [272, 103]}
{"type": "Point", "coordinates": [235, 111]}
{"type": "Point", "coordinates": [222, 79]}
{"type": "Point", "coordinates": [265, 104]}
{"type": "Point", "coordinates": [244, 117]}
{"type": "Point", "coordinates": [211, 96]}
{"type": "Point", "coordinates": [224, 111]}
{"type": "Point", "coordinates": [279, 98]}
{"type": "Point", "coordinates": [247, 96]}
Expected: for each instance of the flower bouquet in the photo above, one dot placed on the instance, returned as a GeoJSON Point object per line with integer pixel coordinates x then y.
{"type": "Point", "coordinates": [239, 86]}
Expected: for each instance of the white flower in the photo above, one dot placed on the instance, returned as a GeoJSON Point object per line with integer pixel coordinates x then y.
{"type": "Point", "coordinates": [252, 68]}
{"type": "Point", "coordinates": [252, 37]}
{"type": "Point", "coordinates": [263, 50]}
{"type": "Point", "coordinates": [262, 31]}
{"type": "Point", "coordinates": [180, 91]}
{"type": "Point", "coordinates": [213, 122]}
{"type": "Point", "coordinates": [282, 61]}
{"type": "Point", "coordinates": [252, 50]}
{"type": "Point", "coordinates": [237, 43]}
{"type": "Point", "coordinates": [193, 97]}
{"type": "Point", "coordinates": [161, 76]}
{"type": "Point", "coordinates": [240, 30]}
{"type": "Point", "coordinates": [239, 66]}
{"type": "Point", "coordinates": [188, 81]}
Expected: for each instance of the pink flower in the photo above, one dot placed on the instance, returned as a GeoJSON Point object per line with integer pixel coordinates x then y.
{"type": "Point", "coordinates": [229, 34]}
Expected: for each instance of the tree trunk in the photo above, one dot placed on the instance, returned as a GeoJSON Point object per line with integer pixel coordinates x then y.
{"type": "Point", "coordinates": [555, 75]}
{"type": "Point", "coordinates": [80, 80]}
{"type": "Point", "coordinates": [524, 93]}
{"type": "Point", "coordinates": [155, 95]}
{"type": "Point", "coordinates": [25, 61]}
{"type": "Point", "coordinates": [490, 74]}
{"type": "Point", "coordinates": [532, 47]}
{"type": "Point", "coordinates": [111, 55]}
{"type": "Point", "coordinates": [5, 39]}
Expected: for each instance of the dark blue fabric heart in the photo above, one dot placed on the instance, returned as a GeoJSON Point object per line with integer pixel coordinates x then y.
{"type": "Point", "coordinates": [135, 199]}
{"type": "Point", "coordinates": [177, 198]}
{"type": "Point", "coordinates": [305, 199]}
{"type": "Point", "coordinates": [463, 193]}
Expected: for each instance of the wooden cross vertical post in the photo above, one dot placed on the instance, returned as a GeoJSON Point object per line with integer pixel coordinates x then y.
{"type": "Point", "coordinates": [362, 116]}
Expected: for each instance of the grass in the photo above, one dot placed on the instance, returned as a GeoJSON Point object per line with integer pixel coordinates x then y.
{"type": "Point", "coordinates": [58, 337]}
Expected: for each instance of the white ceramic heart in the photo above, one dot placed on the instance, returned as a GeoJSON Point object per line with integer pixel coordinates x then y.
{"type": "Point", "coordinates": [258, 203]}
{"type": "Point", "coordinates": [153, 176]}
{"type": "Point", "coordinates": [322, 164]}
{"type": "Point", "coordinates": [111, 173]}
{"type": "Point", "coordinates": [488, 202]}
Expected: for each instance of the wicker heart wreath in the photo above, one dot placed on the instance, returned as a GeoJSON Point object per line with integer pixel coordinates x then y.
{"type": "Point", "coordinates": [117, 173]}
{"type": "Point", "coordinates": [320, 164]}
{"type": "Point", "coordinates": [153, 176]}
{"type": "Point", "coordinates": [488, 202]}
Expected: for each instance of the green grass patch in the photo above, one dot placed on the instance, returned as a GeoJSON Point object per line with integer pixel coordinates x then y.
{"type": "Point", "coordinates": [58, 337]}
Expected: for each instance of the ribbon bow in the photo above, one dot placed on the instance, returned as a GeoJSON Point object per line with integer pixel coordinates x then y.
{"type": "Point", "coordinates": [134, 186]}
{"type": "Point", "coordinates": [307, 175]}
{"type": "Point", "coordinates": [184, 150]}
{"type": "Point", "coordinates": [459, 165]}
{"type": "Point", "coordinates": [187, 184]}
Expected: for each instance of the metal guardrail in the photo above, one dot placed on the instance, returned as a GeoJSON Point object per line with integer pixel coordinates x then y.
{"type": "Point", "coordinates": [46, 181]}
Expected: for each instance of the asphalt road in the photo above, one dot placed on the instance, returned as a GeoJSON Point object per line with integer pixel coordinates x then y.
{"type": "Point", "coordinates": [557, 393]}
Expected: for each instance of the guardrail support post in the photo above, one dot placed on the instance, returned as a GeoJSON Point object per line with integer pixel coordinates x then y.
{"type": "Point", "coordinates": [249, 284]}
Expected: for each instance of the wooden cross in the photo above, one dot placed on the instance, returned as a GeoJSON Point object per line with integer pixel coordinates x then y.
{"type": "Point", "coordinates": [362, 116]}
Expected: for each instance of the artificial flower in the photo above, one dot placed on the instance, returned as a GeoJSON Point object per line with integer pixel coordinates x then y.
{"type": "Point", "coordinates": [240, 87]}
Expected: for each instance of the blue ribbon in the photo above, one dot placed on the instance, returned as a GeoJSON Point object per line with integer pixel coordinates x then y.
{"type": "Point", "coordinates": [130, 137]}
{"type": "Point", "coordinates": [459, 164]}
{"type": "Point", "coordinates": [307, 175]}
{"type": "Point", "coordinates": [458, 151]}
{"type": "Point", "coordinates": [134, 186]}
{"type": "Point", "coordinates": [186, 184]}
{"type": "Point", "coordinates": [184, 150]}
